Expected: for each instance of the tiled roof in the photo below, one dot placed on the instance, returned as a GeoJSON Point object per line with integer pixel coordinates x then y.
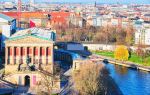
{"type": "Point", "coordinates": [6, 17]}
{"type": "Point", "coordinates": [35, 32]}
{"type": "Point", "coordinates": [11, 14]}
{"type": "Point", "coordinates": [37, 14]}
{"type": "Point", "coordinates": [56, 16]}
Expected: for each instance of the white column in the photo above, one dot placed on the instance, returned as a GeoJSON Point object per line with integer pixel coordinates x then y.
{"type": "Point", "coordinates": [32, 55]}
{"type": "Point", "coordinates": [19, 51]}
{"type": "Point", "coordinates": [25, 54]}
{"type": "Point", "coordinates": [18, 57]}
{"type": "Point", "coordinates": [44, 56]}
{"type": "Point", "coordinates": [6, 55]}
{"type": "Point", "coordinates": [49, 55]}
{"type": "Point", "coordinates": [21, 56]}
{"type": "Point", "coordinates": [38, 54]}
{"type": "Point", "coordinates": [12, 55]}
{"type": "Point", "coordinates": [52, 60]}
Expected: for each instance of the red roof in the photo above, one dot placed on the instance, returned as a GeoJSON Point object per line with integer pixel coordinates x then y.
{"type": "Point", "coordinates": [56, 16]}
{"type": "Point", "coordinates": [11, 14]}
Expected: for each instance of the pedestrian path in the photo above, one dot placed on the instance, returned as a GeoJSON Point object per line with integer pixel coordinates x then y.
{"type": "Point", "coordinates": [96, 58]}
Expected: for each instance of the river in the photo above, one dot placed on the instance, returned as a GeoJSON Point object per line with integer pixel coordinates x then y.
{"type": "Point", "coordinates": [130, 81]}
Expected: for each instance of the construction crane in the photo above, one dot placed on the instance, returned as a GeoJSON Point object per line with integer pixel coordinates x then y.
{"type": "Point", "coordinates": [19, 12]}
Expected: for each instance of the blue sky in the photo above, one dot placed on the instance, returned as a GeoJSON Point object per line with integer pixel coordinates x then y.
{"type": "Point", "coordinates": [109, 1]}
{"type": "Point", "coordinates": [100, 1]}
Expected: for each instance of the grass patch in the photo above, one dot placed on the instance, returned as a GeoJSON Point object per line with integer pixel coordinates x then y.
{"type": "Point", "coordinates": [134, 58]}
{"type": "Point", "coordinates": [105, 53]}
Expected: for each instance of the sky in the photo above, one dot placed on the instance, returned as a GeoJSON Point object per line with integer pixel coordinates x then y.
{"type": "Point", "coordinates": [108, 1]}
{"type": "Point", "coordinates": [92, 1]}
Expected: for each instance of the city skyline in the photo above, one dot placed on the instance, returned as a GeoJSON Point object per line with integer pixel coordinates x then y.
{"type": "Point", "coordinates": [91, 1]}
{"type": "Point", "coordinates": [74, 47]}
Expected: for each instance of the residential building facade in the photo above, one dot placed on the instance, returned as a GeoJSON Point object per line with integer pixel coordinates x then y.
{"type": "Point", "coordinates": [7, 28]}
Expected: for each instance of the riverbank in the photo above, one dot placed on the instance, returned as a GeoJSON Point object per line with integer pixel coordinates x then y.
{"type": "Point", "coordinates": [111, 86]}
{"type": "Point", "coordinates": [133, 57]}
{"type": "Point", "coordinates": [125, 63]}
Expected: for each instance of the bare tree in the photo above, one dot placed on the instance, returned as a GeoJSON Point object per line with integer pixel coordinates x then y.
{"type": "Point", "coordinates": [88, 81]}
{"type": "Point", "coordinates": [129, 35]}
{"type": "Point", "coordinates": [45, 84]}
{"type": "Point", "coordinates": [140, 52]}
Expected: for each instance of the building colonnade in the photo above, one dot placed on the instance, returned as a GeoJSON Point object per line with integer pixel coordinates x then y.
{"type": "Point", "coordinates": [36, 54]}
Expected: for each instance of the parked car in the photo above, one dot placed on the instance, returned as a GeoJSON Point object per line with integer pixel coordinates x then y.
{"type": "Point", "coordinates": [105, 61]}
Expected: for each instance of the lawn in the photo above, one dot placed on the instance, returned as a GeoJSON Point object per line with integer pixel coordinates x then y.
{"type": "Point", "coordinates": [105, 53]}
{"type": "Point", "coordinates": [134, 58]}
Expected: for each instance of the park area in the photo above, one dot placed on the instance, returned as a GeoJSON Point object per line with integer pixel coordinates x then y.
{"type": "Point", "coordinates": [132, 58]}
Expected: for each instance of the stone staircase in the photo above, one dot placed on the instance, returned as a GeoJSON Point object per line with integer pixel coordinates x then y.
{"type": "Point", "coordinates": [7, 84]}
{"type": "Point", "coordinates": [6, 87]}
{"type": "Point", "coordinates": [24, 90]}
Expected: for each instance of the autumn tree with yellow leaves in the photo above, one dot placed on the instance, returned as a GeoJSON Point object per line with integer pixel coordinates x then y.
{"type": "Point", "coordinates": [121, 53]}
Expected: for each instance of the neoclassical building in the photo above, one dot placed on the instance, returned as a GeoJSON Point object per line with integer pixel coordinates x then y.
{"type": "Point", "coordinates": [28, 55]}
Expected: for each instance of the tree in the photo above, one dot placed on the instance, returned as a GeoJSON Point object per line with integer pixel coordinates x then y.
{"type": "Point", "coordinates": [141, 52]}
{"type": "Point", "coordinates": [129, 35]}
{"type": "Point", "coordinates": [45, 84]}
{"type": "Point", "coordinates": [88, 81]}
{"type": "Point", "coordinates": [121, 53]}
{"type": "Point", "coordinates": [120, 36]}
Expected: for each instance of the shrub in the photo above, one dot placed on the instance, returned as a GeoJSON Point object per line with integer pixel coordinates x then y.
{"type": "Point", "coordinates": [121, 53]}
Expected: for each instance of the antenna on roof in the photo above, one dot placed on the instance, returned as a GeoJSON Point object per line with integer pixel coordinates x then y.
{"type": "Point", "coordinates": [49, 17]}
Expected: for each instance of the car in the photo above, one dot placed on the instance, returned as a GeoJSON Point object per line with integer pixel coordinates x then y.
{"type": "Point", "coordinates": [105, 61]}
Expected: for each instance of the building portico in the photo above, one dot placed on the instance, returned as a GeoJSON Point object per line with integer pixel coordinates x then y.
{"type": "Point", "coordinates": [37, 54]}
{"type": "Point", "coordinates": [28, 55]}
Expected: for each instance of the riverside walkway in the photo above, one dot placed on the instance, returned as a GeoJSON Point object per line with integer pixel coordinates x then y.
{"type": "Point", "coordinates": [96, 58]}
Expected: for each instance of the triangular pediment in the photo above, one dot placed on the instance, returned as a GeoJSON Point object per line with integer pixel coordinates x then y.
{"type": "Point", "coordinates": [28, 39]}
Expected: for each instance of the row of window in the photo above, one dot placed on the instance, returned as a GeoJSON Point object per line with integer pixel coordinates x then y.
{"type": "Point", "coordinates": [62, 56]}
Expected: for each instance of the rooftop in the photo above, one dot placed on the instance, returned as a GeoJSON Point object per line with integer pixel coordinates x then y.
{"type": "Point", "coordinates": [55, 16]}
{"type": "Point", "coordinates": [36, 32]}
{"type": "Point", "coordinates": [73, 54]}
{"type": "Point", "coordinates": [67, 43]}
{"type": "Point", "coordinates": [147, 15]}
{"type": "Point", "coordinates": [37, 14]}
{"type": "Point", "coordinates": [6, 17]}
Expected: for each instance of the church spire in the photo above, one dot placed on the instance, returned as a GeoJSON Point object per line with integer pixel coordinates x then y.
{"type": "Point", "coordinates": [95, 4]}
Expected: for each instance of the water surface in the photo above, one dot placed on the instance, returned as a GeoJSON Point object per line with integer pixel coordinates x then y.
{"type": "Point", "coordinates": [130, 81]}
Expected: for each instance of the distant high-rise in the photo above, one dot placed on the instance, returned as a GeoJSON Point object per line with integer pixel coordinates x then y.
{"type": "Point", "coordinates": [95, 4]}
{"type": "Point", "coordinates": [16, 1]}
{"type": "Point", "coordinates": [31, 1]}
